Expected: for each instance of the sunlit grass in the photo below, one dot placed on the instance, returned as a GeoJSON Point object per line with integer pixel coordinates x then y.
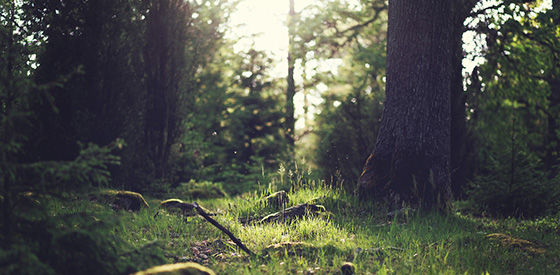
{"type": "Point", "coordinates": [350, 231]}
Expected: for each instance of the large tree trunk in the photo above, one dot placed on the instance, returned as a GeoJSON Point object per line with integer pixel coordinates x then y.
{"type": "Point", "coordinates": [411, 159]}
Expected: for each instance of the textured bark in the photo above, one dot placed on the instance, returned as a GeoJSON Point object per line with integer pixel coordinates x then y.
{"type": "Point", "coordinates": [411, 159]}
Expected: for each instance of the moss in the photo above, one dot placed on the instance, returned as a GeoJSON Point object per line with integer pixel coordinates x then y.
{"type": "Point", "coordinates": [178, 269]}
{"type": "Point", "coordinates": [127, 200]}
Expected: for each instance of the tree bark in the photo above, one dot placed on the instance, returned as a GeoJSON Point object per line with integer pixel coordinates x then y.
{"type": "Point", "coordinates": [411, 159]}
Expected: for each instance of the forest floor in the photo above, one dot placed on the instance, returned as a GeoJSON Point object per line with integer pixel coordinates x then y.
{"type": "Point", "coordinates": [346, 230]}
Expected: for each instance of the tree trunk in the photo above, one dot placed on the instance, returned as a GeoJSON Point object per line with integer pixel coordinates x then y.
{"type": "Point", "coordinates": [411, 159]}
{"type": "Point", "coordinates": [552, 157]}
{"type": "Point", "coordinates": [291, 90]}
{"type": "Point", "coordinates": [461, 141]}
{"type": "Point", "coordinates": [165, 79]}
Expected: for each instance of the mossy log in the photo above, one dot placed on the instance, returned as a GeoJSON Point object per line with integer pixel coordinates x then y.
{"type": "Point", "coordinates": [177, 269]}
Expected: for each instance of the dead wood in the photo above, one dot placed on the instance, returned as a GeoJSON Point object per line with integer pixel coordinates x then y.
{"type": "Point", "coordinates": [205, 215]}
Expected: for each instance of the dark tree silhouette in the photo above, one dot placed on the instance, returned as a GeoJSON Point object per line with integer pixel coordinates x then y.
{"type": "Point", "coordinates": [411, 159]}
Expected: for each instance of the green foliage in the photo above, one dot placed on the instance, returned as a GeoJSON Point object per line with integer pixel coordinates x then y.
{"type": "Point", "coordinates": [34, 238]}
{"type": "Point", "coordinates": [526, 191]}
{"type": "Point", "coordinates": [92, 235]}
{"type": "Point", "coordinates": [348, 123]}
{"type": "Point", "coordinates": [236, 129]}
{"type": "Point", "coordinates": [346, 135]}
{"type": "Point", "coordinates": [127, 86]}
{"type": "Point", "coordinates": [345, 128]}
{"type": "Point", "coordinates": [517, 168]}
{"type": "Point", "coordinates": [64, 240]}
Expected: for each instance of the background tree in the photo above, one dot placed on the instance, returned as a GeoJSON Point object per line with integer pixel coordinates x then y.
{"type": "Point", "coordinates": [167, 27]}
{"type": "Point", "coordinates": [340, 137]}
{"type": "Point", "coordinates": [462, 147]}
{"type": "Point", "coordinates": [102, 41]}
{"type": "Point", "coordinates": [514, 111]}
{"type": "Point", "coordinates": [411, 159]}
{"type": "Point", "coordinates": [291, 89]}
{"type": "Point", "coordinates": [238, 131]}
{"type": "Point", "coordinates": [137, 62]}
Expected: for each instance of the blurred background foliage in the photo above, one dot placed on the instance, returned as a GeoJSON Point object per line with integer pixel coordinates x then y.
{"type": "Point", "coordinates": [152, 96]}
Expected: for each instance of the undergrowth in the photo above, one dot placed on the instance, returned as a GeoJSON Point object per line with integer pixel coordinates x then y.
{"type": "Point", "coordinates": [349, 231]}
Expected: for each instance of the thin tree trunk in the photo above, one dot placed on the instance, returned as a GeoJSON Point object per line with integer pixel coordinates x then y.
{"type": "Point", "coordinates": [411, 159]}
{"type": "Point", "coordinates": [291, 91]}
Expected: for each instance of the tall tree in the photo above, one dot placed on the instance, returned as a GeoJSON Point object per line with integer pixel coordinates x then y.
{"type": "Point", "coordinates": [411, 159]}
{"type": "Point", "coordinates": [291, 90]}
{"type": "Point", "coordinates": [166, 31]}
{"type": "Point", "coordinates": [522, 78]}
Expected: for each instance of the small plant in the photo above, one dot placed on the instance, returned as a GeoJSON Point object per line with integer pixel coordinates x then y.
{"type": "Point", "coordinates": [523, 191]}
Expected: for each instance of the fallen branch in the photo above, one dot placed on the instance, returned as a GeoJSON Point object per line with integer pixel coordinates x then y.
{"type": "Point", "coordinates": [219, 226]}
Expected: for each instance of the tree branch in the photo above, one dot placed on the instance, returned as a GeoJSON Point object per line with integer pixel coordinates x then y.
{"type": "Point", "coordinates": [219, 226]}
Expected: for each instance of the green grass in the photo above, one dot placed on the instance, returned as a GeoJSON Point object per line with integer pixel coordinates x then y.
{"type": "Point", "coordinates": [352, 231]}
